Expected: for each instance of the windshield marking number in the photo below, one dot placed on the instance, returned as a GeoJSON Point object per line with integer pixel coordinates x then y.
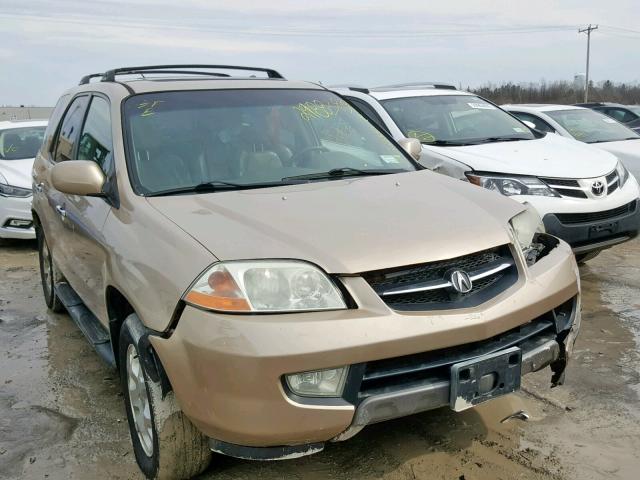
{"type": "Point", "coordinates": [148, 108]}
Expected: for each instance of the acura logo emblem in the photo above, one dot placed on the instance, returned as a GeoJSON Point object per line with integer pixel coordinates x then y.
{"type": "Point", "coordinates": [597, 187]}
{"type": "Point", "coordinates": [460, 281]}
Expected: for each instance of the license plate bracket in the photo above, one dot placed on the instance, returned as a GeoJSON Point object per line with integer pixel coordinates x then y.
{"type": "Point", "coordinates": [603, 229]}
{"type": "Point", "coordinates": [483, 378]}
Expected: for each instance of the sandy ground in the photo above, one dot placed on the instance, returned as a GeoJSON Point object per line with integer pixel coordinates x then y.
{"type": "Point", "coordinates": [62, 415]}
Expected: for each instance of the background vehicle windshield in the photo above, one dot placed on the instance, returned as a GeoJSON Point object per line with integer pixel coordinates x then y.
{"type": "Point", "coordinates": [20, 143]}
{"type": "Point", "coordinates": [182, 139]}
{"type": "Point", "coordinates": [453, 118]}
{"type": "Point", "coordinates": [590, 127]}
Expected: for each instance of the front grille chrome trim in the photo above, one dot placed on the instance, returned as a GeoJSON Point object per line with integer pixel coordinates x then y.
{"type": "Point", "coordinates": [486, 271]}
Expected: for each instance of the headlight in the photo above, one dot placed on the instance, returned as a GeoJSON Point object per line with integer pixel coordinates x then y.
{"type": "Point", "coordinates": [623, 173]}
{"type": "Point", "coordinates": [265, 286]}
{"type": "Point", "coordinates": [512, 185]}
{"type": "Point", "coordinates": [11, 191]}
{"type": "Point", "coordinates": [319, 383]}
{"type": "Point", "coordinates": [525, 225]}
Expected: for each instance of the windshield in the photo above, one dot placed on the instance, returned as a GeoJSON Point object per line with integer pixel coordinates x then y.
{"type": "Point", "coordinates": [591, 127]}
{"type": "Point", "coordinates": [238, 138]}
{"type": "Point", "coordinates": [454, 119]}
{"type": "Point", "coordinates": [20, 143]}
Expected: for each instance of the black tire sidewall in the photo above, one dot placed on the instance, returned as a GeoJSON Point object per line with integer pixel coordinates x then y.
{"type": "Point", "coordinates": [148, 465]}
{"type": "Point", "coordinates": [47, 289]}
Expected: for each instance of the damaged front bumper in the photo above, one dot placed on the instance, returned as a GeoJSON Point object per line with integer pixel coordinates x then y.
{"type": "Point", "coordinates": [546, 342]}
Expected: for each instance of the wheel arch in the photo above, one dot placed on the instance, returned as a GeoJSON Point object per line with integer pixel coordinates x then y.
{"type": "Point", "coordinates": [121, 310]}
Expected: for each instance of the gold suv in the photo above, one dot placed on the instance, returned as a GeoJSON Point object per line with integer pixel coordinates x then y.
{"type": "Point", "coordinates": [270, 271]}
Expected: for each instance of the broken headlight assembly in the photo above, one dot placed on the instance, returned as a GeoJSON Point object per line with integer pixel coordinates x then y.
{"type": "Point", "coordinates": [265, 286]}
{"type": "Point", "coordinates": [527, 227]}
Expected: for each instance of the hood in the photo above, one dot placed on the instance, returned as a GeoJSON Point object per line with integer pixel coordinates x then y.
{"type": "Point", "coordinates": [550, 156]}
{"type": "Point", "coordinates": [628, 151]}
{"type": "Point", "coordinates": [16, 172]}
{"type": "Point", "coordinates": [347, 226]}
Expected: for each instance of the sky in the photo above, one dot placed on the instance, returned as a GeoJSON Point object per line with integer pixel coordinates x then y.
{"type": "Point", "coordinates": [47, 45]}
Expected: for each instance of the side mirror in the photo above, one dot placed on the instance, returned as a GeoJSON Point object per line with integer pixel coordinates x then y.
{"type": "Point", "coordinates": [412, 146]}
{"type": "Point", "coordinates": [78, 177]}
{"type": "Point", "coordinates": [529, 124]}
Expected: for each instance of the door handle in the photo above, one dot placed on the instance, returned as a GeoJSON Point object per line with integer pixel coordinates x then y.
{"type": "Point", "coordinates": [39, 187]}
{"type": "Point", "coordinates": [61, 211]}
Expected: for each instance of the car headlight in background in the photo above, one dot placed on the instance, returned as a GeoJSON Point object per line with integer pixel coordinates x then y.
{"type": "Point", "coordinates": [11, 191]}
{"type": "Point", "coordinates": [623, 173]}
{"type": "Point", "coordinates": [265, 286]}
{"type": "Point", "coordinates": [512, 185]}
{"type": "Point", "coordinates": [525, 226]}
{"type": "Point", "coordinates": [318, 383]}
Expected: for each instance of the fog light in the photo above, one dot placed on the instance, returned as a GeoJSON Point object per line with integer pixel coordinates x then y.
{"type": "Point", "coordinates": [318, 383]}
{"type": "Point", "coordinates": [16, 223]}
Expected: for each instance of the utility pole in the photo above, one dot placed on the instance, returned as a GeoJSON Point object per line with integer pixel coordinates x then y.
{"type": "Point", "coordinates": [588, 31]}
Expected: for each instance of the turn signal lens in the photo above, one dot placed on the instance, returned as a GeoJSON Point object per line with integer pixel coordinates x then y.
{"type": "Point", "coordinates": [217, 290]}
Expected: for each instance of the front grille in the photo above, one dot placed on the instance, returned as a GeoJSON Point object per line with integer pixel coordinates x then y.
{"type": "Point", "coordinates": [574, 218]}
{"type": "Point", "coordinates": [558, 183]}
{"type": "Point", "coordinates": [564, 182]}
{"type": "Point", "coordinates": [430, 278]}
{"type": "Point", "coordinates": [612, 182]}
{"type": "Point", "coordinates": [393, 374]}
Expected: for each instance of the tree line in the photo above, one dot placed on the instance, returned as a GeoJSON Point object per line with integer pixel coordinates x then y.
{"type": "Point", "coordinates": [560, 92]}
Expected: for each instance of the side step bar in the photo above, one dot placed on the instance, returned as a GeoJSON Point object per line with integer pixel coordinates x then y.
{"type": "Point", "coordinates": [87, 322]}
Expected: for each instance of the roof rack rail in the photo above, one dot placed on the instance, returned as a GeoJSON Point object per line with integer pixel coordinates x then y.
{"type": "Point", "coordinates": [348, 86]}
{"type": "Point", "coordinates": [401, 86]}
{"type": "Point", "coordinates": [87, 78]}
{"type": "Point", "coordinates": [110, 75]}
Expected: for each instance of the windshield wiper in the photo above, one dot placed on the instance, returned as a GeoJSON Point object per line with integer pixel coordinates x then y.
{"type": "Point", "coordinates": [214, 186]}
{"type": "Point", "coordinates": [447, 143]}
{"type": "Point", "coordinates": [501, 139]}
{"type": "Point", "coordinates": [343, 172]}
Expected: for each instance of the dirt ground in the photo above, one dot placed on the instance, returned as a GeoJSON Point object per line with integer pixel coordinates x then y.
{"type": "Point", "coordinates": [62, 415]}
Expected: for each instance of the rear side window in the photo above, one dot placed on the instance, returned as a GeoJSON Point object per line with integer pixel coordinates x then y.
{"type": "Point", "coordinates": [95, 140]}
{"type": "Point", "coordinates": [537, 121]}
{"type": "Point", "coordinates": [54, 121]}
{"type": "Point", "coordinates": [70, 130]}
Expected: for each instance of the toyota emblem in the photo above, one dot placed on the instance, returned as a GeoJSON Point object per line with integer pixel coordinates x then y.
{"type": "Point", "coordinates": [597, 188]}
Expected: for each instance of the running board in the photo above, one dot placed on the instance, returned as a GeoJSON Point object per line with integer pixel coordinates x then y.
{"type": "Point", "coordinates": [87, 322]}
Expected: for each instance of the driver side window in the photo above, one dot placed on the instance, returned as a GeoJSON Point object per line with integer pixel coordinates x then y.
{"type": "Point", "coordinates": [95, 142]}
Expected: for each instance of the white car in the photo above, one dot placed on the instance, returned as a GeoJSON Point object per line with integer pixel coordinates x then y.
{"type": "Point", "coordinates": [19, 143]}
{"type": "Point", "coordinates": [584, 195]}
{"type": "Point", "coordinates": [587, 126]}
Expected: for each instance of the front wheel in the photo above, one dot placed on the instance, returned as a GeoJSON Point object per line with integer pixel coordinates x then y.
{"type": "Point", "coordinates": [49, 275]}
{"type": "Point", "coordinates": [166, 444]}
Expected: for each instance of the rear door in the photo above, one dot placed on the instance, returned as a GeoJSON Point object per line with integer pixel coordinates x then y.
{"type": "Point", "coordinates": [86, 215]}
{"type": "Point", "coordinates": [53, 216]}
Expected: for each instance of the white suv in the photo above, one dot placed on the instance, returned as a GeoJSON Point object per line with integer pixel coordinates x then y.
{"type": "Point", "coordinates": [19, 143]}
{"type": "Point", "coordinates": [587, 126]}
{"type": "Point", "coordinates": [584, 195]}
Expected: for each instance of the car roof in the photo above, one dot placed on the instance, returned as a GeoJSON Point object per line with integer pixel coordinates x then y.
{"type": "Point", "coordinates": [172, 84]}
{"type": "Point", "coordinates": [163, 78]}
{"type": "Point", "coordinates": [22, 124]}
{"type": "Point", "coordinates": [388, 93]}
{"type": "Point", "coordinates": [541, 107]}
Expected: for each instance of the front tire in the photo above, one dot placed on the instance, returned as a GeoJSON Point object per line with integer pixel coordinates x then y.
{"type": "Point", "coordinates": [166, 444]}
{"type": "Point", "coordinates": [49, 275]}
